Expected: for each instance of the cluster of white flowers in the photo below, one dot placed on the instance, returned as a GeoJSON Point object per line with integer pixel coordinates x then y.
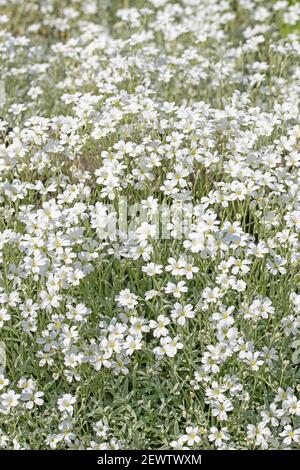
{"type": "Point", "coordinates": [179, 333]}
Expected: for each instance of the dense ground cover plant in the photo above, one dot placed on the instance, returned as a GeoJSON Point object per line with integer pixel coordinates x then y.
{"type": "Point", "coordinates": [150, 216]}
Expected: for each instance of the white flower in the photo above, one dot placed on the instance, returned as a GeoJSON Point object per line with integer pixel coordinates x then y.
{"type": "Point", "coordinates": [220, 409]}
{"type": "Point", "coordinates": [159, 326]}
{"type": "Point", "coordinates": [10, 399]}
{"type": "Point", "coordinates": [253, 360]}
{"type": "Point", "coordinates": [176, 289]}
{"type": "Point", "coordinates": [66, 402]}
{"type": "Point", "coordinates": [32, 398]}
{"type": "Point", "coordinates": [216, 392]}
{"type": "Point", "coordinates": [127, 299]}
{"type": "Point", "coordinates": [179, 444]}
{"type": "Point", "coordinates": [101, 429]}
{"type": "Point", "coordinates": [132, 344]}
{"type": "Point", "coordinates": [217, 436]}
{"type": "Point", "coordinates": [169, 346]}
{"type": "Point", "coordinates": [211, 295]}
{"type": "Point", "coordinates": [290, 435]}
{"type": "Point", "coordinates": [17, 109]}
{"type": "Point", "coordinates": [3, 381]}
{"type": "Point", "coordinates": [293, 405]}
{"type": "Point", "coordinates": [150, 294]}
{"type": "Point", "coordinates": [260, 434]}
{"type": "Point", "coordinates": [4, 316]}
{"type": "Point", "coordinates": [192, 435]}
{"type": "Point", "coordinates": [151, 269]}
{"type": "Point", "coordinates": [181, 312]}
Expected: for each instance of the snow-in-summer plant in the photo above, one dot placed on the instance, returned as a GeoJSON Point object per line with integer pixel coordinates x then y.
{"type": "Point", "coordinates": [149, 224]}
